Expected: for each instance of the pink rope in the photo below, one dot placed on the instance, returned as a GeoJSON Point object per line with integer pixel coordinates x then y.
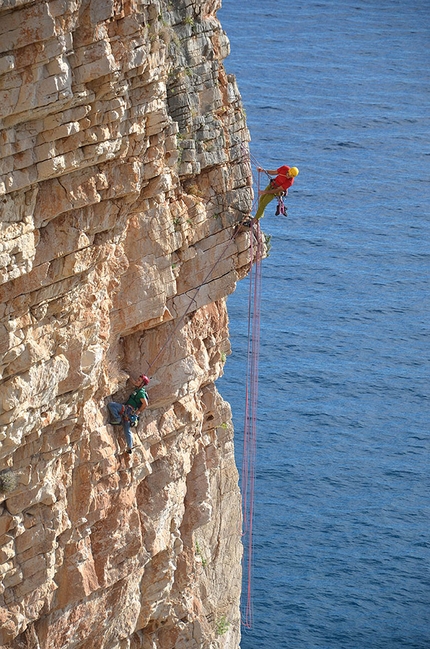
{"type": "Point", "coordinates": [246, 430]}
{"type": "Point", "coordinates": [250, 423]}
{"type": "Point", "coordinates": [191, 303]}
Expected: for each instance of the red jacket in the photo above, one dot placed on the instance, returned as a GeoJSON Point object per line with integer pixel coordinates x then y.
{"type": "Point", "coordinates": [282, 180]}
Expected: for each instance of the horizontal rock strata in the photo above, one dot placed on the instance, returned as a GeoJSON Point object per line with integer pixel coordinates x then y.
{"type": "Point", "coordinates": [122, 177]}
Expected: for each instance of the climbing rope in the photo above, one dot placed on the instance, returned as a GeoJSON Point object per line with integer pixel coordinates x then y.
{"type": "Point", "coordinates": [251, 393]}
{"type": "Point", "coordinates": [251, 403]}
{"type": "Point", "coordinates": [250, 420]}
{"type": "Point", "coordinates": [245, 151]}
{"type": "Point", "coordinates": [191, 302]}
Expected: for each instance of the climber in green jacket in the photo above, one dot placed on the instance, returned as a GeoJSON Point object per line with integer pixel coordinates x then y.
{"type": "Point", "coordinates": [128, 413]}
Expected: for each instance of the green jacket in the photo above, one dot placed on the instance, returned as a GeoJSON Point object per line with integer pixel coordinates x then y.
{"type": "Point", "coordinates": [135, 398]}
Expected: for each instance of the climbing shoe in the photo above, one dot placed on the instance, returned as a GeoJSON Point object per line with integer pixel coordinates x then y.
{"type": "Point", "coordinates": [281, 210]}
{"type": "Point", "coordinates": [129, 451]}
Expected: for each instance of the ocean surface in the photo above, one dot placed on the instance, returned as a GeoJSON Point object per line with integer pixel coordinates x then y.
{"type": "Point", "coordinates": [339, 89]}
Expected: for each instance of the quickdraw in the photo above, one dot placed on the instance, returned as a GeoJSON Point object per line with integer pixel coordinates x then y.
{"type": "Point", "coordinates": [281, 208]}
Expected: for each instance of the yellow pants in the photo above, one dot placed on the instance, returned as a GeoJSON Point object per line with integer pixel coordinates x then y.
{"type": "Point", "coordinates": [264, 201]}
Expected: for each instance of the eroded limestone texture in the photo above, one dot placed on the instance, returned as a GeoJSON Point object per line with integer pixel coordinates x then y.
{"type": "Point", "coordinates": [122, 175]}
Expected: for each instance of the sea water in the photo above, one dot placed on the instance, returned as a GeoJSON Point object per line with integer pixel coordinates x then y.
{"type": "Point", "coordinates": [339, 89]}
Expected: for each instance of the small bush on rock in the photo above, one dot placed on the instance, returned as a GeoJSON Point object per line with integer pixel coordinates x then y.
{"type": "Point", "coordinates": [8, 481]}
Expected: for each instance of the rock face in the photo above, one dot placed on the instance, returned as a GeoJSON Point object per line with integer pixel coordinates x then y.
{"type": "Point", "coordinates": [122, 176]}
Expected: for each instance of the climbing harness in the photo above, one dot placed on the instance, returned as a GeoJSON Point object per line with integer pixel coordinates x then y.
{"type": "Point", "coordinates": [128, 413]}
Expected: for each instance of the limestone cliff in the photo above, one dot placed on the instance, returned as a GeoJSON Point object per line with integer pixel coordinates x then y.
{"type": "Point", "coordinates": [122, 176]}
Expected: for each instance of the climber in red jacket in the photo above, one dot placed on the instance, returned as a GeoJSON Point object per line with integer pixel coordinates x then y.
{"type": "Point", "coordinates": [278, 186]}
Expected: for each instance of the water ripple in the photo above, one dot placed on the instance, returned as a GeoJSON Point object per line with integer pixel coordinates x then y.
{"type": "Point", "coordinates": [342, 553]}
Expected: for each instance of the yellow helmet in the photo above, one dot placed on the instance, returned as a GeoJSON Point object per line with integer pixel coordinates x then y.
{"type": "Point", "coordinates": [294, 171]}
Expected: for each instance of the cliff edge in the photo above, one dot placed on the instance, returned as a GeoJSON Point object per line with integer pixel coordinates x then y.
{"type": "Point", "coordinates": [122, 176]}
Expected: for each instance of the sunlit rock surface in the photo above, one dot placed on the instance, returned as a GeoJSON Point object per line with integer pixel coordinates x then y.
{"type": "Point", "coordinates": [122, 176]}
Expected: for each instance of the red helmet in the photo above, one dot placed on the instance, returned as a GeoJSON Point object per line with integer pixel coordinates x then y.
{"type": "Point", "coordinates": [143, 379]}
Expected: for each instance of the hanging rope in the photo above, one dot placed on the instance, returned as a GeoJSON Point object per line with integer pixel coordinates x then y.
{"type": "Point", "coordinates": [251, 395]}
{"type": "Point", "coordinates": [191, 303]}
{"type": "Point", "coordinates": [245, 151]}
{"type": "Point", "coordinates": [250, 422]}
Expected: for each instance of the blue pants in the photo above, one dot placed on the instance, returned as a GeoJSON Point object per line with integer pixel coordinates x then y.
{"type": "Point", "coordinates": [115, 410]}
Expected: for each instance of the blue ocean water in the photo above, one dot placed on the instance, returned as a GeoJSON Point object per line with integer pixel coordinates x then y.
{"type": "Point", "coordinates": [340, 89]}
